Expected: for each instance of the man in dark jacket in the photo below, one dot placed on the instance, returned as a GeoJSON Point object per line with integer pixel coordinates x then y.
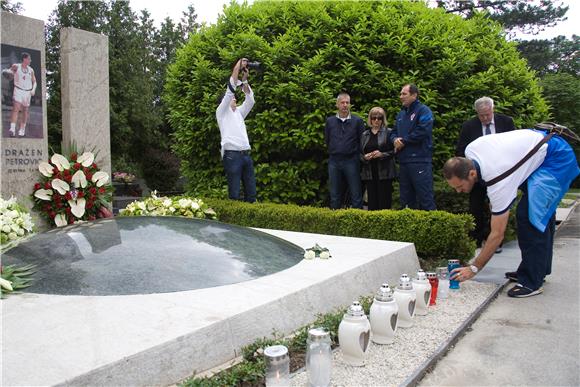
{"type": "Point", "coordinates": [486, 122]}
{"type": "Point", "coordinates": [342, 133]}
{"type": "Point", "coordinates": [413, 141]}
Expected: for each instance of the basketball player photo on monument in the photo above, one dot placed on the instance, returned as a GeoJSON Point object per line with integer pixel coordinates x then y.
{"type": "Point", "coordinates": [21, 92]}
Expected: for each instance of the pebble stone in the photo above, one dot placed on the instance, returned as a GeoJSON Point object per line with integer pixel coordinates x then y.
{"type": "Point", "coordinates": [392, 364]}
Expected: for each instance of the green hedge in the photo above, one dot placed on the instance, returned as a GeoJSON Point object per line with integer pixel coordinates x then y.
{"type": "Point", "coordinates": [311, 50]}
{"type": "Point", "coordinates": [437, 235]}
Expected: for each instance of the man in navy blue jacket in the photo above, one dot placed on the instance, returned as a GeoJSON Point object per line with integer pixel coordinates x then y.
{"type": "Point", "coordinates": [342, 135]}
{"type": "Point", "coordinates": [413, 141]}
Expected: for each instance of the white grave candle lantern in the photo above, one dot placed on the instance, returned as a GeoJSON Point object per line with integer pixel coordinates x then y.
{"type": "Point", "coordinates": [318, 358]}
{"type": "Point", "coordinates": [443, 291]}
{"type": "Point", "coordinates": [354, 335]}
{"type": "Point", "coordinates": [277, 366]}
{"type": "Point", "coordinates": [383, 316]}
{"type": "Point", "coordinates": [406, 298]}
{"type": "Point", "coordinates": [423, 292]}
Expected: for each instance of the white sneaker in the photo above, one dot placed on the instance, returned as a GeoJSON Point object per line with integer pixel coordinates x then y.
{"type": "Point", "coordinates": [12, 132]}
{"type": "Point", "coordinates": [21, 132]}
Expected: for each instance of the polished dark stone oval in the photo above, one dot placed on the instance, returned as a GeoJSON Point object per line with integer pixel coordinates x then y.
{"type": "Point", "coordinates": [143, 255]}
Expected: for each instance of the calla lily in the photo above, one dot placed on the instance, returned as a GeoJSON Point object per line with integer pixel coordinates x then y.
{"type": "Point", "coordinates": [60, 220]}
{"type": "Point", "coordinates": [79, 179]}
{"type": "Point", "coordinates": [86, 159]}
{"type": "Point", "coordinates": [60, 161]}
{"type": "Point", "coordinates": [60, 185]}
{"type": "Point", "coordinates": [6, 284]}
{"type": "Point", "coordinates": [43, 194]}
{"type": "Point", "coordinates": [77, 207]}
{"type": "Point", "coordinates": [100, 178]}
{"type": "Point", "coordinates": [45, 168]}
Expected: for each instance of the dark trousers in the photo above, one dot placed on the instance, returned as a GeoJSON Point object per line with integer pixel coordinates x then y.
{"type": "Point", "coordinates": [239, 168]}
{"type": "Point", "coordinates": [379, 194]}
{"type": "Point", "coordinates": [536, 247]}
{"type": "Point", "coordinates": [416, 186]}
{"type": "Point", "coordinates": [479, 209]}
{"type": "Point", "coordinates": [343, 173]}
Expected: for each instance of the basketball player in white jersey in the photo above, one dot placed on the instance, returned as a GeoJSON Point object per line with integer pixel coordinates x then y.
{"type": "Point", "coordinates": [24, 89]}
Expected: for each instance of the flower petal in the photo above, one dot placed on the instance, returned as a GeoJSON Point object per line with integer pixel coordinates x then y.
{"type": "Point", "coordinates": [43, 194]}
{"type": "Point", "coordinates": [79, 179]}
{"type": "Point", "coordinates": [6, 284]}
{"type": "Point", "coordinates": [60, 161]}
{"type": "Point", "coordinates": [60, 185]}
{"type": "Point", "coordinates": [86, 159]}
{"type": "Point", "coordinates": [45, 168]}
{"type": "Point", "coordinates": [100, 178]}
{"type": "Point", "coordinates": [60, 220]}
{"type": "Point", "coordinates": [77, 207]}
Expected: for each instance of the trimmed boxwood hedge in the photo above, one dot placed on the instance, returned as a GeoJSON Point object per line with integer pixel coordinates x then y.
{"type": "Point", "coordinates": [437, 235]}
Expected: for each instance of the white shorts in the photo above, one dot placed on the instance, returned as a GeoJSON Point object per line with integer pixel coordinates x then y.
{"type": "Point", "coordinates": [22, 96]}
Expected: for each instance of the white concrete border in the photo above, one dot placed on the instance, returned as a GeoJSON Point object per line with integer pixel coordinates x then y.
{"type": "Point", "coordinates": [158, 339]}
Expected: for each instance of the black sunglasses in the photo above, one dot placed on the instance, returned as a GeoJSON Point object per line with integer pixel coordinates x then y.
{"type": "Point", "coordinates": [376, 118]}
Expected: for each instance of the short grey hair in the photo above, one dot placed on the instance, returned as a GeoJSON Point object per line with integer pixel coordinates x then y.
{"type": "Point", "coordinates": [342, 94]}
{"type": "Point", "coordinates": [482, 102]}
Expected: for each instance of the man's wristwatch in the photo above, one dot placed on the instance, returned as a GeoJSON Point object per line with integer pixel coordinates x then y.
{"type": "Point", "coordinates": [474, 269]}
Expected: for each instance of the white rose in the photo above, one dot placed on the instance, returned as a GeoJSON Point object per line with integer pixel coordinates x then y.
{"type": "Point", "coordinates": [20, 232]}
{"type": "Point", "coordinates": [309, 254]}
{"type": "Point", "coordinates": [184, 203]}
{"type": "Point", "coordinates": [6, 229]}
{"type": "Point", "coordinates": [167, 203]}
{"type": "Point", "coordinates": [12, 236]}
{"type": "Point", "coordinates": [324, 255]}
{"type": "Point", "coordinates": [195, 205]}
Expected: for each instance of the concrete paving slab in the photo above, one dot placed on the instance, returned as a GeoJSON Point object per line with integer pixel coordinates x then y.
{"type": "Point", "coordinates": [159, 339]}
{"type": "Point", "coordinates": [526, 342]}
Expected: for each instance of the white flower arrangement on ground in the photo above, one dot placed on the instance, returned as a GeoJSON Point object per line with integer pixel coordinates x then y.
{"type": "Point", "coordinates": [15, 226]}
{"type": "Point", "coordinates": [169, 206]}
{"type": "Point", "coordinates": [15, 222]}
{"type": "Point", "coordinates": [317, 251]}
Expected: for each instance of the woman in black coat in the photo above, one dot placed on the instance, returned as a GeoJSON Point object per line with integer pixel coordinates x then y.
{"type": "Point", "coordinates": [377, 161]}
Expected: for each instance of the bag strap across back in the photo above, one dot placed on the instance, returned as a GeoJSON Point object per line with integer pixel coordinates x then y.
{"type": "Point", "coordinates": [519, 164]}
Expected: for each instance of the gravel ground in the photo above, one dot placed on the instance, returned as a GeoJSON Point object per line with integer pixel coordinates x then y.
{"type": "Point", "coordinates": [391, 364]}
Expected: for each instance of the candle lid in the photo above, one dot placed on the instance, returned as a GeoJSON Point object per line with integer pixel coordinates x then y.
{"type": "Point", "coordinates": [276, 352]}
{"type": "Point", "coordinates": [355, 309]}
{"type": "Point", "coordinates": [318, 334]}
{"type": "Point", "coordinates": [421, 276]}
{"type": "Point", "coordinates": [405, 282]}
{"type": "Point", "coordinates": [384, 293]}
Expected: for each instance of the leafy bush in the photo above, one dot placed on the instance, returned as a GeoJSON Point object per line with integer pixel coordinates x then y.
{"type": "Point", "coordinates": [437, 235]}
{"type": "Point", "coordinates": [312, 50]}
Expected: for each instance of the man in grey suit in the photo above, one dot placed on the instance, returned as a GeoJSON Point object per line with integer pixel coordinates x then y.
{"type": "Point", "coordinates": [486, 122]}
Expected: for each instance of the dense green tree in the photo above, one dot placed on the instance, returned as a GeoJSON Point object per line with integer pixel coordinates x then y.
{"type": "Point", "coordinates": [312, 50]}
{"type": "Point", "coordinates": [10, 6]}
{"type": "Point", "coordinates": [562, 91]}
{"type": "Point", "coordinates": [138, 57]}
{"type": "Point", "coordinates": [526, 16]}
{"type": "Point", "coordinates": [558, 55]}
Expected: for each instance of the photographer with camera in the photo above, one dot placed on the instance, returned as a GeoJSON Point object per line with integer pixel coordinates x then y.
{"type": "Point", "coordinates": [235, 145]}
